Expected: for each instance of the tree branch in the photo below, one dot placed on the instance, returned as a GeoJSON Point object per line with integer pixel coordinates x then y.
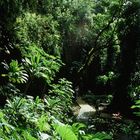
{"type": "Point", "coordinates": [92, 53]}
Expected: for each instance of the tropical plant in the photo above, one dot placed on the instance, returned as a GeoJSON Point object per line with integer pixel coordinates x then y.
{"type": "Point", "coordinates": [9, 90]}
{"type": "Point", "coordinates": [137, 107]}
{"type": "Point", "coordinates": [26, 116]}
{"type": "Point", "coordinates": [16, 72]}
{"type": "Point", "coordinates": [40, 30]}
{"type": "Point", "coordinates": [31, 119]}
{"type": "Point", "coordinates": [65, 132]}
{"type": "Point", "coordinates": [60, 95]}
{"type": "Point", "coordinates": [77, 131]}
{"type": "Point", "coordinates": [40, 64]}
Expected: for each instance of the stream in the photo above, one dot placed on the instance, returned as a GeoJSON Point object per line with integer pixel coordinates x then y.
{"type": "Point", "coordinates": [85, 113]}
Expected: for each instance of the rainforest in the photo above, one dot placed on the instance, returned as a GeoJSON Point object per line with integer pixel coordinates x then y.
{"type": "Point", "coordinates": [69, 69]}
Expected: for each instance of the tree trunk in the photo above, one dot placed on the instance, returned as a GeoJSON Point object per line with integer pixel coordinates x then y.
{"type": "Point", "coordinates": [121, 101]}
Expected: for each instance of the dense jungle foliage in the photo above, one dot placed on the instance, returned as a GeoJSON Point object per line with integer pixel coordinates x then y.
{"type": "Point", "coordinates": [52, 52]}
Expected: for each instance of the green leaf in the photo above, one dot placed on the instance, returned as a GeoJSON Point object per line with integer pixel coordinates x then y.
{"type": "Point", "coordinates": [102, 136]}
{"type": "Point", "coordinates": [42, 124]}
{"type": "Point", "coordinates": [138, 102]}
{"type": "Point", "coordinates": [27, 135]}
{"type": "Point", "coordinates": [78, 126]}
{"type": "Point", "coordinates": [65, 131]}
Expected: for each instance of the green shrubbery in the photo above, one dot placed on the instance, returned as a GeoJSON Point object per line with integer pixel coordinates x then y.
{"type": "Point", "coordinates": [26, 117]}
{"type": "Point", "coordinates": [37, 30]}
{"type": "Point", "coordinates": [94, 39]}
{"type": "Point", "coordinates": [34, 118]}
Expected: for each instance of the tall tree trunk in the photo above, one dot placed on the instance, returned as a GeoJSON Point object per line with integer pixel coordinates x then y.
{"type": "Point", "coordinates": [129, 43]}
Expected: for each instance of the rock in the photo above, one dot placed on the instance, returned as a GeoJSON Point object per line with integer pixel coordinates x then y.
{"type": "Point", "coordinates": [44, 136]}
{"type": "Point", "coordinates": [86, 111]}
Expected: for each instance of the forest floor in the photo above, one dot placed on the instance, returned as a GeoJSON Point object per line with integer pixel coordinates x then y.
{"type": "Point", "coordinates": [97, 120]}
{"type": "Point", "coordinates": [85, 111]}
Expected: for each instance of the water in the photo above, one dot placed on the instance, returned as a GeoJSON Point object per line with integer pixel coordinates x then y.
{"type": "Point", "coordinates": [85, 111]}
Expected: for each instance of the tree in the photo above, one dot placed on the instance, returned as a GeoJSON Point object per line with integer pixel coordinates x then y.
{"type": "Point", "coordinates": [105, 42]}
{"type": "Point", "coordinates": [129, 36]}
